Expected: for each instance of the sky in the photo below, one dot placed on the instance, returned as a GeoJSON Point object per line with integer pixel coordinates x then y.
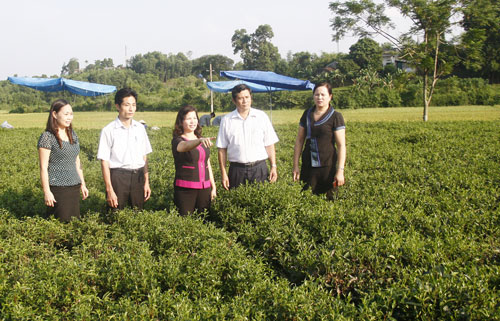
{"type": "Point", "coordinates": [38, 37]}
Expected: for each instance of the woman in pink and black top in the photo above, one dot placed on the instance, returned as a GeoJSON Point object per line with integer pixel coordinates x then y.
{"type": "Point", "coordinates": [194, 186]}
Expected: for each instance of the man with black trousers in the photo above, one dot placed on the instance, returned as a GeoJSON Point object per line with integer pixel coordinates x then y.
{"type": "Point", "coordinates": [246, 138]}
{"type": "Point", "coordinates": [123, 149]}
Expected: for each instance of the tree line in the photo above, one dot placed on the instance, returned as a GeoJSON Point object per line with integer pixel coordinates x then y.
{"type": "Point", "coordinates": [465, 65]}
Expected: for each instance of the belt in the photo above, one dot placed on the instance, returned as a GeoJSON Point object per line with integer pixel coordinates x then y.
{"type": "Point", "coordinates": [128, 170]}
{"type": "Point", "coordinates": [251, 164]}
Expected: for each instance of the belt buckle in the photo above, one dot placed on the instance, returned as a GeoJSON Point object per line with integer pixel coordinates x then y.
{"type": "Point", "coordinates": [251, 164]}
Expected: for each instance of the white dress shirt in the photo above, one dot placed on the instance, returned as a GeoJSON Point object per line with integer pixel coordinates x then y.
{"type": "Point", "coordinates": [246, 139]}
{"type": "Point", "coordinates": [124, 147]}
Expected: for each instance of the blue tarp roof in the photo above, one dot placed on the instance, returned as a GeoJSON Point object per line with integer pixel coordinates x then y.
{"type": "Point", "coordinates": [227, 86]}
{"type": "Point", "coordinates": [82, 88]}
{"type": "Point", "coordinates": [269, 78]}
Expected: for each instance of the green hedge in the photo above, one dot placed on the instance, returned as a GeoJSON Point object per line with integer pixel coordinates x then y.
{"type": "Point", "coordinates": [144, 265]}
{"type": "Point", "coordinates": [414, 232]}
{"type": "Point", "coordinates": [412, 235]}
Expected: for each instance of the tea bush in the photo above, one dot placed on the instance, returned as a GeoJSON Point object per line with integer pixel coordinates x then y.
{"type": "Point", "coordinates": [415, 229]}
{"type": "Point", "coordinates": [144, 265]}
{"type": "Point", "coordinates": [412, 235]}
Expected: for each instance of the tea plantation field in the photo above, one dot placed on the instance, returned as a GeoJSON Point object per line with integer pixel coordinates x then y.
{"type": "Point", "coordinates": [413, 235]}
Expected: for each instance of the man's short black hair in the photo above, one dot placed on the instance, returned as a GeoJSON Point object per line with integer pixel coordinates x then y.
{"type": "Point", "coordinates": [124, 93]}
{"type": "Point", "coordinates": [239, 88]}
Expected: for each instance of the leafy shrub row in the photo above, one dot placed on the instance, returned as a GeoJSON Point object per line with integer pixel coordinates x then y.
{"type": "Point", "coordinates": [413, 235]}
{"type": "Point", "coordinates": [147, 265]}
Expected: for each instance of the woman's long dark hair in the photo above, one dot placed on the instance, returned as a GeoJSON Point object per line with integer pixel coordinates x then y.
{"type": "Point", "coordinates": [52, 126]}
{"type": "Point", "coordinates": [178, 129]}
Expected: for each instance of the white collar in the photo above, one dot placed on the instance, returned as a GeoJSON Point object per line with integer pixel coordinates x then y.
{"type": "Point", "coordinates": [236, 114]}
{"type": "Point", "coordinates": [118, 123]}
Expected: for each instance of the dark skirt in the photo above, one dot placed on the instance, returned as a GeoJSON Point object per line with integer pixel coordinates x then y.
{"type": "Point", "coordinates": [67, 204]}
{"type": "Point", "coordinates": [319, 179]}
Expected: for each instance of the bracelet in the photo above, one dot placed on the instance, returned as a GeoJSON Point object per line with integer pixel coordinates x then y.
{"type": "Point", "coordinates": [273, 165]}
{"type": "Point", "coordinates": [342, 168]}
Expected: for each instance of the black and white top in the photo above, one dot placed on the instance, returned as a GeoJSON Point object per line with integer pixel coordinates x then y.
{"type": "Point", "coordinates": [319, 150]}
{"type": "Point", "coordinates": [62, 161]}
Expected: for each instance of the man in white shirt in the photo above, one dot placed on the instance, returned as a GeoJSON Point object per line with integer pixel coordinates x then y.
{"type": "Point", "coordinates": [246, 138]}
{"type": "Point", "coordinates": [123, 149]}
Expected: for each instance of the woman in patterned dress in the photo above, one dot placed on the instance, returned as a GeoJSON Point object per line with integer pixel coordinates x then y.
{"type": "Point", "coordinates": [60, 170]}
{"type": "Point", "coordinates": [323, 158]}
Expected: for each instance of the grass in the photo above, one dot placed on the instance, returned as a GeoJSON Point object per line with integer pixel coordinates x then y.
{"type": "Point", "coordinates": [452, 113]}
{"type": "Point", "coordinates": [96, 120]}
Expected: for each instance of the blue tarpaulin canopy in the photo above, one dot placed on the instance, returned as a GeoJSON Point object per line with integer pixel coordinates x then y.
{"type": "Point", "coordinates": [269, 78]}
{"type": "Point", "coordinates": [227, 86]}
{"type": "Point", "coordinates": [82, 88]}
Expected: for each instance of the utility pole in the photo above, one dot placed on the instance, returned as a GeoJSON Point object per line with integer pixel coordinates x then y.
{"type": "Point", "coordinates": [211, 96]}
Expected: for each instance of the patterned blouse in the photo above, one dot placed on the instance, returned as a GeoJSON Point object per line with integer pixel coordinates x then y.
{"type": "Point", "coordinates": [62, 161]}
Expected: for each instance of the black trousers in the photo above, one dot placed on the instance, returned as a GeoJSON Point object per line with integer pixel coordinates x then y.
{"type": "Point", "coordinates": [67, 204]}
{"type": "Point", "coordinates": [129, 187]}
{"type": "Point", "coordinates": [241, 173]}
{"type": "Point", "coordinates": [188, 200]}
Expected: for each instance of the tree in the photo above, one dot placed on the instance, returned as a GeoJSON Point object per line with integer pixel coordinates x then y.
{"type": "Point", "coordinates": [71, 67]}
{"type": "Point", "coordinates": [430, 21]}
{"type": "Point", "coordinates": [327, 67]}
{"type": "Point", "coordinates": [481, 39]}
{"type": "Point", "coordinates": [161, 65]}
{"type": "Point", "coordinates": [175, 66]}
{"type": "Point", "coordinates": [256, 49]}
{"type": "Point", "coordinates": [367, 54]}
{"type": "Point", "coordinates": [348, 68]}
{"type": "Point", "coordinates": [106, 63]}
{"type": "Point", "coordinates": [219, 62]}
{"type": "Point", "coordinates": [148, 63]}
{"type": "Point", "coordinates": [301, 65]}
